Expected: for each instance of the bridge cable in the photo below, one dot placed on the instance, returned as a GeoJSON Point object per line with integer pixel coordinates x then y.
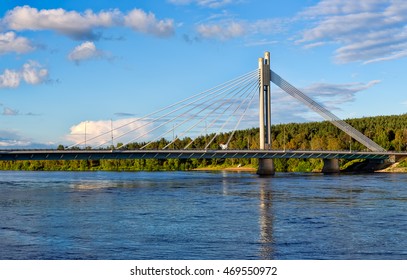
{"type": "Point", "coordinates": [179, 115]}
{"type": "Point", "coordinates": [226, 122]}
{"type": "Point", "coordinates": [220, 86]}
{"type": "Point", "coordinates": [210, 104]}
{"type": "Point", "coordinates": [220, 101]}
{"type": "Point", "coordinates": [241, 117]}
{"type": "Point", "coordinates": [216, 91]}
{"type": "Point", "coordinates": [348, 129]}
{"type": "Point", "coordinates": [215, 121]}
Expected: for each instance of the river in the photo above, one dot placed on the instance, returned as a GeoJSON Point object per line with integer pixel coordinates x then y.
{"type": "Point", "coordinates": [202, 215]}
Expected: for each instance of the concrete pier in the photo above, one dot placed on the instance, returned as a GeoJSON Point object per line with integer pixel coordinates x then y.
{"type": "Point", "coordinates": [331, 166]}
{"type": "Point", "coordinates": [266, 167]}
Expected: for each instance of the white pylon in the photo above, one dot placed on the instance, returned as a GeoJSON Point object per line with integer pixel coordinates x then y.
{"type": "Point", "coordinates": [265, 102]}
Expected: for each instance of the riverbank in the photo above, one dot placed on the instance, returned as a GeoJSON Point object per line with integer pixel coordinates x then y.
{"type": "Point", "coordinates": [231, 169]}
{"type": "Point", "coordinates": [394, 168]}
{"type": "Point", "coordinates": [290, 165]}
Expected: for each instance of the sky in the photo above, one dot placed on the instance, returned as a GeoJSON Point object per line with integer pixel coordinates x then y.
{"type": "Point", "coordinates": [103, 63]}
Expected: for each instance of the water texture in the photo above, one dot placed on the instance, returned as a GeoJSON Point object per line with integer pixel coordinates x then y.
{"type": "Point", "coordinates": [202, 215]}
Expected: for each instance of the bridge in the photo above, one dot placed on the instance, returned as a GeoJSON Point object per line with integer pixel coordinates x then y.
{"type": "Point", "coordinates": [210, 113]}
{"type": "Point", "coordinates": [186, 154]}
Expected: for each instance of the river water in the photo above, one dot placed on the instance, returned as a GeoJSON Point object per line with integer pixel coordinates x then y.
{"type": "Point", "coordinates": [202, 215]}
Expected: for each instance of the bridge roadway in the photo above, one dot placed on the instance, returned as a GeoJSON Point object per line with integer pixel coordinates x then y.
{"type": "Point", "coordinates": [189, 154]}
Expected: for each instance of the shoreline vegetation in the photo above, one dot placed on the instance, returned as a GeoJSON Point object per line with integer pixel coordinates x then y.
{"type": "Point", "coordinates": [390, 132]}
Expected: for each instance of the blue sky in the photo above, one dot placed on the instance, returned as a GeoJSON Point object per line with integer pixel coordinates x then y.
{"type": "Point", "coordinates": [67, 63]}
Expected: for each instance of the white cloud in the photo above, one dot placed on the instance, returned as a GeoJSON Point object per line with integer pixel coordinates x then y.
{"type": "Point", "coordinates": [180, 2]}
{"type": "Point", "coordinates": [318, 44]}
{"type": "Point", "coordinates": [330, 96]}
{"type": "Point", "coordinates": [333, 95]}
{"type": "Point", "coordinates": [334, 7]}
{"type": "Point", "coordinates": [10, 42]}
{"type": "Point", "coordinates": [203, 3]}
{"type": "Point", "coordinates": [142, 22]}
{"type": "Point", "coordinates": [396, 55]}
{"type": "Point", "coordinates": [367, 31]}
{"type": "Point", "coordinates": [11, 139]}
{"type": "Point", "coordinates": [84, 26]}
{"type": "Point", "coordinates": [13, 143]}
{"type": "Point", "coordinates": [70, 23]}
{"type": "Point", "coordinates": [85, 51]}
{"type": "Point", "coordinates": [229, 29]}
{"type": "Point", "coordinates": [10, 79]}
{"type": "Point", "coordinates": [221, 31]}
{"type": "Point", "coordinates": [9, 112]}
{"type": "Point", "coordinates": [261, 43]}
{"type": "Point", "coordinates": [99, 132]}
{"type": "Point", "coordinates": [31, 73]}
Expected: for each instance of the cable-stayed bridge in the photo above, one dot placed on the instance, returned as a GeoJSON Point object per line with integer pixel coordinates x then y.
{"type": "Point", "coordinates": [194, 127]}
{"type": "Point", "coordinates": [184, 154]}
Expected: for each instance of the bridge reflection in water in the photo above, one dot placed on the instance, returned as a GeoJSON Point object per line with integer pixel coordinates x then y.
{"type": "Point", "coordinates": [266, 220]}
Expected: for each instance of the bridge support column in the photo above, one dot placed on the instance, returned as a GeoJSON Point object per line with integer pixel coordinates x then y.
{"type": "Point", "coordinates": [331, 165]}
{"type": "Point", "coordinates": [266, 167]}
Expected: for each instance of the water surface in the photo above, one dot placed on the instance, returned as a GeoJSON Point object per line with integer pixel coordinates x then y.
{"type": "Point", "coordinates": [202, 215]}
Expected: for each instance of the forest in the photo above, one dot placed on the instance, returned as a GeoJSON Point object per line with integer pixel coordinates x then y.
{"type": "Point", "coordinates": [390, 132]}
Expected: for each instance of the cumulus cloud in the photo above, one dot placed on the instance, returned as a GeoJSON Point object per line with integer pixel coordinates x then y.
{"type": "Point", "coordinates": [367, 31]}
{"type": "Point", "coordinates": [84, 26]}
{"type": "Point", "coordinates": [99, 132]}
{"type": "Point", "coordinates": [10, 79]}
{"type": "Point", "coordinates": [70, 23]}
{"type": "Point", "coordinates": [31, 73]}
{"type": "Point", "coordinates": [10, 42]}
{"type": "Point", "coordinates": [86, 51]}
{"type": "Point", "coordinates": [221, 31]}
{"type": "Point", "coordinates": [142, 22]}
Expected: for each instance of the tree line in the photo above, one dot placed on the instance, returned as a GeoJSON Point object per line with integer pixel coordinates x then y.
{"type": "Point", "coordinates": [390, 132]}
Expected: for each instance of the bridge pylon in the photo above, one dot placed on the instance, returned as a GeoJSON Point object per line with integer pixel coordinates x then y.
{"type": "Point", "coordinates": [266, 166]}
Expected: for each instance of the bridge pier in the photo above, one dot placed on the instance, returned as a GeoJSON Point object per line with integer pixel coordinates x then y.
{"type": "Point", "coordinates": [266, 167]}
{"type": "Point", "coordinates": [331, 165]}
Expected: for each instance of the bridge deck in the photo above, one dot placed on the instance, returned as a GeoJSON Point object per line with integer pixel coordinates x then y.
{"type": "Point", "coordinates": [186, 154]}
